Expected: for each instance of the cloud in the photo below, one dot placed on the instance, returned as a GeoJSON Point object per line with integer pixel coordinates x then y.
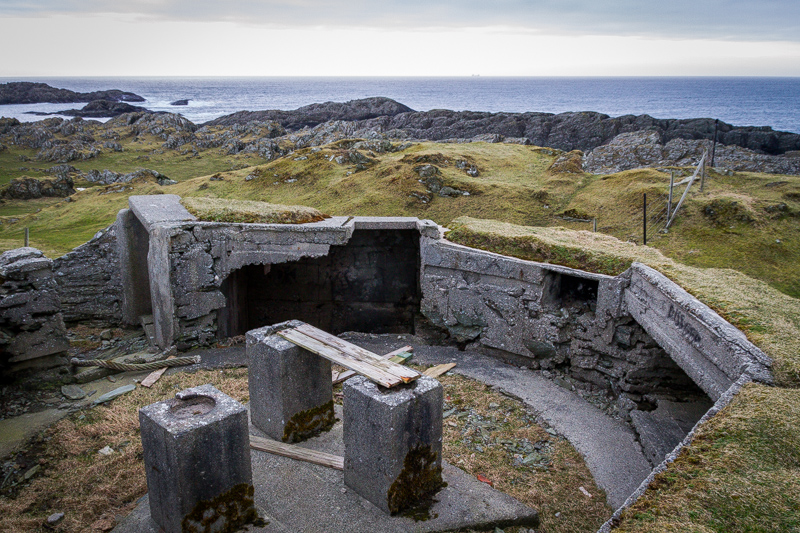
{"type": "Point", "coordinates": [130, 47]}
{"type": "Point", "coordinates": [742, 20]}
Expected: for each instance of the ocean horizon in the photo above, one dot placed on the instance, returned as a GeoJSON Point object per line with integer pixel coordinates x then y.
{"type": "Point", "coordinates": [740, 101]}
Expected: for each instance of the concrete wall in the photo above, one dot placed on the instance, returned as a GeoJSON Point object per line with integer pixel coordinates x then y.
{"type": "Point", "coordinates": [708, 348]}
{"type": "Point", "coordinates": [636, 333]}
{"type": "Point", "coordinates": [341, 277]}
{"type": "Point", "coordinates": [544, 317]}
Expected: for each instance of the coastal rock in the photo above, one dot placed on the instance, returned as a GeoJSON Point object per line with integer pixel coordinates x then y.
{"type": "Point", "coordinates": [382, 117]}
{"type": "Point", "coordinates": [102, 109]}
{"type": "Point", "coordinates": [645, 149]}
{"type": "Point", "coordinates": [28, 188]}
{"type": "Point", "coordinates": [24, 92]}
{"type": "Point", "coordinates": [315, 114]}
{"type": "Point", "coordinates": [180, 102]}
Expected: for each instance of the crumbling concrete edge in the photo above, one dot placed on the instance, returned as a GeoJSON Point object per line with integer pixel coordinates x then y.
{"type": "Point", "coordinates": [757, 362]}
{"type": "Point", "coordinates": [720, 404]}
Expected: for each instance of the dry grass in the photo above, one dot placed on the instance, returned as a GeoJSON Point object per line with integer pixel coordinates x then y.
{"type": "Point", "coordinates": [742, 472]}
{"type": "Point", "coordinates": [248, 211]}
{"type": "Point", "coordinates": [91, 488]}
{"type": "Point", "coordinates": [550, 485]}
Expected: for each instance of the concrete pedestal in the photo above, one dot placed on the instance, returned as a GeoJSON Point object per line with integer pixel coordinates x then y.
{"type": "Point", "coordinates": [291, 395]}
{"type": "Point", "coordinates": [197, 460]}
{"type": "Point", "coordinates": [393, 442]}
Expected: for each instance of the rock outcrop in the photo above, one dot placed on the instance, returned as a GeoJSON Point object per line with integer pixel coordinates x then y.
{"type": "Point", "coordinates": [28, 188]}
{"type": "Point", "coordinates": [32, 332]}
{"type": "Point", "coordinates": [107, 177]}
{"type": "Point", "coordinates": [565, 131]}
{"type": "Point", "coordinates": [25, 92]}
{"type": "Point", "coordinates": [101, 109]}
{"type": "Point", "coordinates": [315, 114]}
{"type": "Point", "coordinates": [647, 148]}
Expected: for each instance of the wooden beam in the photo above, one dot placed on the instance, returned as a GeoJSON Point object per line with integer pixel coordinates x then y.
{"type": "Point", "coordinates": [358, 353]}
{"type": "Point", "coordinates": [438, 370]}
{"type": "Point", "coordinates": [366, 363]}
{"type": "Point", "coordinates": [296, 452]}
{"type": "Point", "coordinates": [365, 368]}
{"type": "Point", "coordinates": [400, 356]}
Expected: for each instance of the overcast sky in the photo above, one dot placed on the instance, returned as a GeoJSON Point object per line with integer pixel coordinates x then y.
{"type": "Point", "coordinates": [394, 37]}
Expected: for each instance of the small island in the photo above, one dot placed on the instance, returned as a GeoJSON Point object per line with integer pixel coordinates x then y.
{"type": "Point", "coordinates": [26, 92]}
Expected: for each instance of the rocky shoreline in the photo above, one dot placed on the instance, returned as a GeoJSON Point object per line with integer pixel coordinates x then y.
{"type": "Point", "coordinates": [26, 92]}
{"type": "Point", "coordinates": [597, 143]}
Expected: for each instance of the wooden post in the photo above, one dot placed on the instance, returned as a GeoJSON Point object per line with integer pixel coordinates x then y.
{"type": "Point", "coordinates": [669, 200]}
{"type": "Point", "coordinates": [703, 172]}
{"type": "Point", "coordinates": [27, 236]}
{"type": "Point", "coordinates": [594, 224]}
{"type": "Point", "coordinates": [714, 144]}
{"type": "Point", "coordinates": [644, 218]}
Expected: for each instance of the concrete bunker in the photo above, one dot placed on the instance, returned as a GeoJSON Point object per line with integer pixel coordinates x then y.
{"type": "Point", "coordinates": [370, 284]}
{"type": "Point", "coordinates": [660, 356]}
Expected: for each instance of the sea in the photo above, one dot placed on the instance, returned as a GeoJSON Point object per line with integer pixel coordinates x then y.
{"type": "Point", "coordinates": [741, 101]}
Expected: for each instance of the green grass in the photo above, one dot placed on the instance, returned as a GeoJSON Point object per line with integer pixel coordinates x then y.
{"type": "Point", "coordinates": [514, 185]}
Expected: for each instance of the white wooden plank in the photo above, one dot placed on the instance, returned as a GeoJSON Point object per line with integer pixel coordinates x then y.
{"type": "Point", "coordinates": [339, 377]}
{"type": "Point", "coordinates": [376, 374]}
{"type": "Point", "coordinates": [296, 452]}
{"type": "Point", "coordinates": [403, 372]}
{"type": "Point", "coordinates": [438, 370]}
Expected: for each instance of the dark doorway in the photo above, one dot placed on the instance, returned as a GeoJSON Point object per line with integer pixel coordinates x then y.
{"type": "Point", "coordinates": [371, 284]}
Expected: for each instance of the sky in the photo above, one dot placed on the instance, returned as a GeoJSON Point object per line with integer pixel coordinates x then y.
{"type": "Point", "coordinates": [399, 38]}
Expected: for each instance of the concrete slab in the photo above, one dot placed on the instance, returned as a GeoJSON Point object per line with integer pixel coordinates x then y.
{"type": "Point", "coordinates": [297, 496]}
{"type": "Point", "coordinates": [158, 209]}
{"type": "Point", "coordinates": [608, 446]}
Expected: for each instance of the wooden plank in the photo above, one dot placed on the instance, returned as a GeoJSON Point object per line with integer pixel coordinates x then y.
{"type": "Point", "coordinates": [438, 370]}
{"type": "Point", "coordinates": [331, 353]}
{"type": "Point", "coordinates": [154, 376]}
{"type": "Point", "coordinates": [401, 356]}
{"type": "Point", "coordinates": [296, 452]}
{"type": "Point", "coordinates": [403, 372]}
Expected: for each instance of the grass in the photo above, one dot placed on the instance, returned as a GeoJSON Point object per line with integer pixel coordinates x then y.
{"type": "Point", "coordinates": [92, 489]}
{"type": "Point", "coordinates": [742, 472]}
{"type": "Point", "coordinates": [515, 184]}
{"type": "Point", "coordinates": [549, 488]}
{"type": "Point", "coordinates": [248, 211]}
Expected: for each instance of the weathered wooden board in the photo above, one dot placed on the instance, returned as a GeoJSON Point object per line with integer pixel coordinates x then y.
{"type": "Point", "coordinates": [296, 452]}
{"type": "Point", "coordinates": [364, 362]}
{"type": "Point", "coordinates": [400, 356]}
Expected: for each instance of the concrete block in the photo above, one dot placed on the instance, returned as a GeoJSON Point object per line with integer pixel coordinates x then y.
{"type": "Point", "coordinates": [197, 461]}
{"type": "Point", "coordinates": [291, 395]}
{"type": "Point", "coordinates": [393, 442]}
{"type": "Point", "coordinates": [159, 209]}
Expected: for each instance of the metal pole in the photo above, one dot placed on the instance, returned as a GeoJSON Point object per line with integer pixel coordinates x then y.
{"type": "Point", "coordinates": [644, 218]}
{"type": "Point", "coordinates": [669, 200]}
{"type": "Point", "coordinates": [594, 225]}
{"type": "Point", "coordinates": [27, 236]}
{"type": "Point", "coordinates": [714, 144]}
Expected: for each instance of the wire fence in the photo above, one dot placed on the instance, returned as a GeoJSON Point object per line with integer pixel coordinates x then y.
{"type": "Point", "coordinates": [659, 211]}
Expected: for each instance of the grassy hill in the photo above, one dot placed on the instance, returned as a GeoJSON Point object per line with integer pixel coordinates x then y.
{"type": "Point", "coordinates": [735, 245]}
{"type": "Point", "coordinates": [745, 221]}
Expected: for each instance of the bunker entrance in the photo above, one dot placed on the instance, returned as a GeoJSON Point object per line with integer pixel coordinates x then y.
{"type": "Point", "coordinates": [371, 285]}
